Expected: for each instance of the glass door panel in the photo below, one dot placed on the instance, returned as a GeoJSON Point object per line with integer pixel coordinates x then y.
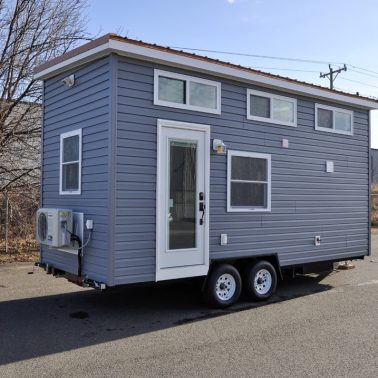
{"type": "Point", "coordinates": [182, 206]}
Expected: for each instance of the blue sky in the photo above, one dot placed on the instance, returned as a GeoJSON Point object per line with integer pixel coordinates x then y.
{"type": "Point", "coordinates": [340, 31]}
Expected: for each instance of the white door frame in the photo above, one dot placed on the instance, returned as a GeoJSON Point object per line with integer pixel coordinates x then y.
{"type": "Point", "coordinates": [190, 270]}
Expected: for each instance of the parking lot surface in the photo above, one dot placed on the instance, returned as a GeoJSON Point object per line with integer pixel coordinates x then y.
{"type": "Point", "coordinates": [316, 325]}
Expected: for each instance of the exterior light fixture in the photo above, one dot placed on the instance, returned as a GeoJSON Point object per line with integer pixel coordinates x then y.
{"type": "Point", "coordinates": [219, 147]}
{"type": "Point", "coordinates": [69, 81]}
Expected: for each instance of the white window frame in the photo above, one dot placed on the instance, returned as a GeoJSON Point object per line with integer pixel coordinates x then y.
{"type": "Point", "coordinates": [333, 109]}
{"type": "Point", "coordinates": [271, 96]}
{"type": "Point", "coordinates": [62, 137]}
{"type": "Point", "coordinates": [187, 79]}
{"type": "Point", "coordinates": [268, 158]}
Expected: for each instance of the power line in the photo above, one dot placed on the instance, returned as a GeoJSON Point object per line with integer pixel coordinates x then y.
{"type": "Point", "coordinates": [256, 56]}
{"type": "Point", "coordinates": [283, 69]}
{"type": "Point", "coordinates": [353, 68]}
{"type": "Point", "coordinates": [363, 73]}
{"type": "Point", "coordinates": [363, 69]}
{"type": "Point", "coordinates": [358, 82]}
{"type": "Point", "coordinates": [281, 58]}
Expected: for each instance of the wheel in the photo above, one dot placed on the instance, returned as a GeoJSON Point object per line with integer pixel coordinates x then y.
{"type": "Point", "coordinates": [223, 286]}
{"type": "Point", "coordinates": [260, 280]}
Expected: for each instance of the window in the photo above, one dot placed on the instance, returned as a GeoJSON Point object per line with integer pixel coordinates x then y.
{"type": "Point", "coordinates": [187, 92]}
{"type": "Point", "coordinates": [70, 163]}
{"type": "Point", "coordinates": [266, 107]}
{"type": "Point", "coordinates": [333, 120]}
{"type": "Point", "coordinates": [248, 181]}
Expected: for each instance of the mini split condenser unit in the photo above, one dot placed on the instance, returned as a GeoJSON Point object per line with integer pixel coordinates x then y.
{"type": "Point", "coordinates": [54, 227]}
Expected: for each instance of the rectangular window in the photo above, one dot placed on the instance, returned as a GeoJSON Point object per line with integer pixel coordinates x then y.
{"type": "Point", "coordinates": [333, 120]}
{"type": "Point", "coordinates": [186, 92]}
{"type": "Point", "coordinates": [267, 107]}
{"type": "Point", "coordinates": [70, 163]}
{"type": "Point", "coordinates": [248, 181]}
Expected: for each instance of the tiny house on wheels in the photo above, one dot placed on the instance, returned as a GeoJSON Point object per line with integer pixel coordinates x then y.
{"type": "Point", "coordinates": [158, 164]}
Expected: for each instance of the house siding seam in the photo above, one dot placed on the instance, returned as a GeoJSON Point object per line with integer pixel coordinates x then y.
{"type": "Point", "coordinates": [306, 201]}
{"type": "Point", "coordinates": [86, 106]}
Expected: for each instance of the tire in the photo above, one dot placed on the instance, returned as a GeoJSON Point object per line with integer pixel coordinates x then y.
{"type": "Point", "coordinates": [223, 286]}
{"type": "Point", "coordinates": [260, 280]}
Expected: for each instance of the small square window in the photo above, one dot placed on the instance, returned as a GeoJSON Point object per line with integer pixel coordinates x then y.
{"type": "Point", "coordinates": [171, 90]}
{"type": "Point", "coordinates": [203, 95]}
{"type": "Point", "coordinates": [283, 110]}
{"type": "Point", "coordinates": [260, 106]}
{"type": "Point", "coordinates": [334, 120]}
{"type": "Point", "coordinates": [343, 121]}
{"type": "Point", "coordinates": [248, 181]}
{"type": "Point", "coordinates": [186, 92]}
{"type": "Point", "coordinates": [70, 163]}
{"type": "Point", "coordinates": [271, 108]}
{"type": "Point", "coordinates": [325, 118]}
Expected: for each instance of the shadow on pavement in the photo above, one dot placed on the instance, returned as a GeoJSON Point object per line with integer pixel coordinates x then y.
{"type": "Point", "coordinates": [40, 326]}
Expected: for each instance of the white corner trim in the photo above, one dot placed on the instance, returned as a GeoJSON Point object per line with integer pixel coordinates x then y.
{"type": "Point", "coordinates": [195, 64]}
{"type": "Point", "coordinates": [271, 96]}
{"type": "Point", "coordinates": [62, 137]}
{"type": "Point", "coordinates": [267, 157]}
{"type": "Point", "coordinates": [333, 109]}
{"type": "Point", "coordinates": [187, 79]}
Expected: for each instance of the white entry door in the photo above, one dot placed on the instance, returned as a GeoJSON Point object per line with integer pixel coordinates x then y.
{"type": "Point", "coordinates": [182, 232]}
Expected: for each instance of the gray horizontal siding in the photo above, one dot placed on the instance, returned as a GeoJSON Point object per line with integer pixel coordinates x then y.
{"type": "Point", "coordinates": [85, 106]}
{"type": "Point", "coordinates": [306, 201]}
{"type": "Point", "coordinates": [374, 166]}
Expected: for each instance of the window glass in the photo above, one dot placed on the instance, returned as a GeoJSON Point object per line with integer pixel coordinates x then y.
{"type": "Point", "coordinates": [70, 162]}
{"type": "Point", "coordinates": [283, 110]}
{"type": "Point", "coordinates": [246, 168]}
{"type": "Point", "coordinates": [203, 95]}
{"type": "Point", "coordinates": [343, 121]}
{"type": "Point", "coordinates": [260, 106]}
{"type": "Point", "coordinates": [325, 118]}
{"type": "Point", "coordinates": [171, 90]}
{"type": "Point", "coordinates": [70, 179]}
{"type": "Point", "coordinates": [71, 148]}
{"type": "Point", "coordinates": [248, 194]}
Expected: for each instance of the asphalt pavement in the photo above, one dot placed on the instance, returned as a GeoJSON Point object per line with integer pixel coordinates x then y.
{"type": "Point", "coordinates": [315, 326]}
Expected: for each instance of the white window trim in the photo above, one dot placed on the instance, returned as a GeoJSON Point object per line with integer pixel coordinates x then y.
{"type": "Point", "coordinates": [62, 137]}
{"type": "Point", "coordinates": [333, 109]}
{"type": "Point", "coordinates": [268, 158]}
{"type": "Point", "coordinates": [271, 96]}
{"type": "Point", "coordinates": [187, 80]}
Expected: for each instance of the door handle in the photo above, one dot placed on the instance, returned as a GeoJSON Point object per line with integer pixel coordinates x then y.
{"type": "Point", "coordinates": [202, 208]}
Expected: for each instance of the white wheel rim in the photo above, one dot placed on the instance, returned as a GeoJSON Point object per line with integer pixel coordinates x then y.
{"type": "Point", "coordinates": [225, 287]}
{"type": "Point", "coordinates": [262, 281]}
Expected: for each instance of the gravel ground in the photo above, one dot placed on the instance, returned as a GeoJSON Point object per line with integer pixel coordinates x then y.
{"type": "Point", "coordinates": [315, 326]}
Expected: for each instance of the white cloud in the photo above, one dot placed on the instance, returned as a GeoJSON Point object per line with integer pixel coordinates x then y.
{"type": "Point", "coordinates": [231, 1]}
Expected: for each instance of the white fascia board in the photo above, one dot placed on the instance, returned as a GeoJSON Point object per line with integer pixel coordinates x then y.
{"type": "Point", "coordinates": [75, 61]}
{"type": "Point", "coordinates": [197, 64]}
{"type": "Point", "coordinates": [150, 54]}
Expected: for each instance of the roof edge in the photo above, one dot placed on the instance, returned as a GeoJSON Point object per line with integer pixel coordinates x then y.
{"type": "Point", "coordinates": [144, 51]}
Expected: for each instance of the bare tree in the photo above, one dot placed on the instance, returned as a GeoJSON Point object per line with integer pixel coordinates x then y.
{"type": "Point", "coordinates": [31, 32]}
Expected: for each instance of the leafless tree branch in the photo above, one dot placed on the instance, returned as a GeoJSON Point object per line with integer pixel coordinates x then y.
{"type": "Point", "coordinates": [31, 32]}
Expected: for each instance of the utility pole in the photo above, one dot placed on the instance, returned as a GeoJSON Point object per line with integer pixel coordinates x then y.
{"type": "Point", "coordinates": [332, 74]}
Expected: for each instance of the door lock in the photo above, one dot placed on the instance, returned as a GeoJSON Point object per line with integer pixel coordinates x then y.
{"type": "Point", "coordinates": [202, 208]}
